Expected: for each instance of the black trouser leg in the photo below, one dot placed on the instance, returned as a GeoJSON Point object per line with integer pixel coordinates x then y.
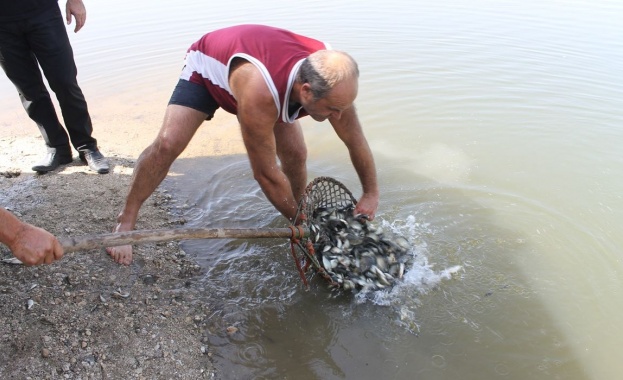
{"type": "Point", "coordinates": [44, 39]}
{"type": "Point", "coordinates": [51, 46]}
{"type": "Point", "coordinates": [20, 66]}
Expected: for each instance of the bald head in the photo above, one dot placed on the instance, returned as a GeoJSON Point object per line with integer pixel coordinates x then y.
{"type": "Point", "coordinates": [324, 69]}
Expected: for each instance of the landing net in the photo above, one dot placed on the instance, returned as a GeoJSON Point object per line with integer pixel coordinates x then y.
{"type": "Point", "coordinates": [347, 250]}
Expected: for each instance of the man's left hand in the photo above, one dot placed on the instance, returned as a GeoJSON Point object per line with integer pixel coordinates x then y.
{"type": "Point", "coordinates": [367, 205]}
{"type": "Point", "coordinates": [77, 9]}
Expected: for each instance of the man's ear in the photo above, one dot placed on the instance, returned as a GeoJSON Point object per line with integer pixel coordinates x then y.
{"type": "Point", "coordinates": [306, 92]}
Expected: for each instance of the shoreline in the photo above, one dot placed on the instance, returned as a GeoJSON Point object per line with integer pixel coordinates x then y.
{"type": "Point", "coordinates": [90, 317]}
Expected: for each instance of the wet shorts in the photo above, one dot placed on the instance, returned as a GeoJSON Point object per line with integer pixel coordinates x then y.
{"type": "Point", "coordinates": [195, 96]}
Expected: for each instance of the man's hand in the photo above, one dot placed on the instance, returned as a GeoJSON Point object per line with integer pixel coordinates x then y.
{"type": "Point", "coordinates": [367, 205]}
{"type": "Point", "coordinates": [33, 246]}
{"type": "Point", "coordinates": [77, 9]}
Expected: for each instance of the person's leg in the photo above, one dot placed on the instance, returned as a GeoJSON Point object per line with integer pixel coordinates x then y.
{"type": "Point", "coordinates": [179, 126]}
{"type": "Point", "coordinates": [292, 153]}
{"type": "Point", "coordinates": [190, 105]}
{"type": "Point", "coordinates": [50, 45]}
{"type": "Point", "coordinates": [22, 69]}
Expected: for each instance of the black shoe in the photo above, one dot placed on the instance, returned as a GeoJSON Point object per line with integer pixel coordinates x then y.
{"type": "Point", "coordinates": [96, 161]}
{"type": "Point", "coordinates": [51, 161]}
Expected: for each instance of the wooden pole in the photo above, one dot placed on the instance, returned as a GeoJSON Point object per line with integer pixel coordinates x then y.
{"type": "Point", "coordinates": [72, 244]}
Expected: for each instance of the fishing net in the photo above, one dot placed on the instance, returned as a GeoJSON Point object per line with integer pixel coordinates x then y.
{"type": "Point", "coordinates": [345, 249]}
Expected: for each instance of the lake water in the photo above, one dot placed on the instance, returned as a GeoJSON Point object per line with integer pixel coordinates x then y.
{"type": "Point", "coordinates": [497, 129]}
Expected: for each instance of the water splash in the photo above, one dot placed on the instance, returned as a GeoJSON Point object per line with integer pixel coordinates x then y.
{"type": "Point", "coordinates": [421, 276]}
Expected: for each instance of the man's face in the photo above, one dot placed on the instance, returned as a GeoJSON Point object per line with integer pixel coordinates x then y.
{"type": "Point", "coordinates": [339, 99]}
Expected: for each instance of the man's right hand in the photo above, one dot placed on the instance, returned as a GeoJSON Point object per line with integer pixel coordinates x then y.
{"type": "Point", "coordinates": [33, 246]}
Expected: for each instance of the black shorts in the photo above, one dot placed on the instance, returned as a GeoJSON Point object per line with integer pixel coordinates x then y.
{"type": "Point", "coordinates": [195, 96]}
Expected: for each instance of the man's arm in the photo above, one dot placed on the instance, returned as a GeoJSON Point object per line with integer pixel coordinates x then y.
{"type": "Point", "coordinates": [350, 132]}
{"type": "Point", "coordinates": [30, 244]}
{"type": "Point", "coordinates": [261, 149]}
{"type": "Point", "coordinates": [257, 115]}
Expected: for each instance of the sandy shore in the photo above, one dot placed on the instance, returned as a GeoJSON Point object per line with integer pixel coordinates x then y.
{"type": "Point", "coordinates": [92, 318]}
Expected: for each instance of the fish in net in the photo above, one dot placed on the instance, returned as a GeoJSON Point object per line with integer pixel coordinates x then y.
{"type": "Point", "coordinates": [347, 250]}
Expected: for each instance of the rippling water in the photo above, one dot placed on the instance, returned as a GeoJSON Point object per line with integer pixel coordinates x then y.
{"type": "Point", "coordinates": [496, 126]}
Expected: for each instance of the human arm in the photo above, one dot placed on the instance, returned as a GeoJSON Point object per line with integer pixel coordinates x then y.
{"type": "Point", "coordinates": [257, 115]}
{"type": "Point", "coordinates": [76, 9]}
{"type": "Point", "coordinates": [261, 150]}
{"type": "Point", "coordinates": [30, 244]}
{"type": "Point", "coordinates": [348, 129]}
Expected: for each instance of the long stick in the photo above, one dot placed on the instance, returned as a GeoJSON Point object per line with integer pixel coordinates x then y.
{"type": "Point", "coordinates": [72, 244]}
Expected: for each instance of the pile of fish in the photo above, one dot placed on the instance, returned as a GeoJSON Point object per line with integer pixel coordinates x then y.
{"type": "Point", "coordinates": [356, 254]}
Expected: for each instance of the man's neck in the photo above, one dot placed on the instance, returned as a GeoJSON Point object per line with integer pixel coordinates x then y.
{"type": "Point", "coordinates": [295, 94]}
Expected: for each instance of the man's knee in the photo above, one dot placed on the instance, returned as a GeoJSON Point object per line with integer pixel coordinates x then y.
{"type": "Point", "coordinates": [167, 147]}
